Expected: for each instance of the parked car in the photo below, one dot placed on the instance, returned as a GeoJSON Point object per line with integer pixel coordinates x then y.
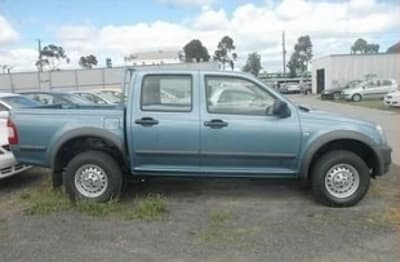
{"type": "Point", "coordinates": [8, 164]}
{"type": "Point", "coordinates": [335, 92]}
{"type": "Point", "coordinates": [97, 97]}
{"type": "Point", "coordinates": [290, 88]}
{"type": "Point", "coordinates": [374, 88]}
{"type": "Point", "coordinates": [55, 98]}
{"type": "Point", "coordinates": [305, 88]}
{"type": "Point", "coordinates": [392, 99]}
{"type": "Point", "coordinates": [114, 92]}
{"type": "Point", "coordinates": [91, 149]}
{"type": "Point", "coordinates": [9, 101]}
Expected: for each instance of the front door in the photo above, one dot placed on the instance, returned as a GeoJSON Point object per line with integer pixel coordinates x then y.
{"type": "Point", "coordinates": [239, 137]}
{"type": "Point", "coordinates": [165, 128]}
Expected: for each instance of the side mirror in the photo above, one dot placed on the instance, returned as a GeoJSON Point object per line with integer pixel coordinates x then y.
{"type": "Point", "coordinates": [280, 109]}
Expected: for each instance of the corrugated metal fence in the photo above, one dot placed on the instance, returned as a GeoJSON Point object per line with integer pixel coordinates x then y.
{"type": "Point", "coordinates": [79, 79]}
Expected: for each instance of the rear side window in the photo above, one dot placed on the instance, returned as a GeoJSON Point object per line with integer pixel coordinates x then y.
{"type": "Point", "coordinates": [386, 82]}
{"type": "Point", "coordinates": [167, 93]}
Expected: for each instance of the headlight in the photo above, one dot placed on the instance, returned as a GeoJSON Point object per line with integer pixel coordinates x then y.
{"type": "Point", "coordinates": [380, 130]}
{"type": "Point", "coordinates": [381, 133]}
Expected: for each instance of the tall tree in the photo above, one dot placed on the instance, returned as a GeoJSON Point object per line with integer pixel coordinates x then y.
{"type": "Point", "coordinates": [194, 51]}
{"type": "Point", "coordinates": [363, 47]}
{"type": "Point", "coordinates": [51, 56]}
{"type": "Point", "coordinates": [6, 69]}
{"type": "Point", "coordinates": [224, 53]}
{"type": "Point", "coordinates": [88, 62]}
{"type": "Point", "coordinates": [253, 64]}
{"type": "Point", "coordinates": [301, 56]}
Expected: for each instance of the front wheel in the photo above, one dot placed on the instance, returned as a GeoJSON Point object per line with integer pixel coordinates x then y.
{"type": "Point", "coordinates": [93, 176]}
{"type": "Point", "coordinates": [340, 178]}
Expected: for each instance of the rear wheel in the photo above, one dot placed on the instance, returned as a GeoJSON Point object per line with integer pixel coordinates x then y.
{"type": "Point", "coordinates": [356, 98]}
{"type": "Point", "coordinates": [94, 176]}
{"type": "Point", "coordinates": [340, 178]}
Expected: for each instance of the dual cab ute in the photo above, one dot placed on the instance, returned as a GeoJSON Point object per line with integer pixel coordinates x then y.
{"type": "Point", "coordinates": [203, 124]}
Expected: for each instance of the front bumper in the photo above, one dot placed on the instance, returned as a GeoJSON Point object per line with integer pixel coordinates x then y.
{"type": "Point", "coordinates": [9, 166]}
{"type": "Point", "coordinates": [391, 102]}
{"type": "Point", "coordinates": [385, 159]}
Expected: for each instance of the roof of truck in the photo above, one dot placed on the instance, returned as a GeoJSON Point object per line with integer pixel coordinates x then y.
{"type": "Point", "coordinates": [8, 94]}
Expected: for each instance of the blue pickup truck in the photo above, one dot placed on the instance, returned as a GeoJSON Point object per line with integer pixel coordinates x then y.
{"type": "Point", "coordinates": [202, 124]}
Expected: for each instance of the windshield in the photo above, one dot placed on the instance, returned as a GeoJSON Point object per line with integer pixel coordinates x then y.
{"type": "Point", "coordinates": [19, 101]}
{"type": "Point", "coordinates": [74, 99]}
{"type": "Point", "coordinates": [108, 97]}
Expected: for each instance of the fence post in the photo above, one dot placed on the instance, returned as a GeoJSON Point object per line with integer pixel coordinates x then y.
{"type": "Point", "coordinates": [12, 87]}
{"type": "Point", "coordinates": [103, 77]}
{"type": "Point", "coordinates": [76, 79]}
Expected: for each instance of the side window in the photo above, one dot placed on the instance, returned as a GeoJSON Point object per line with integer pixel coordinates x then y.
{"type": "Point", "coordinates": [3, 108]}
{"type": "Point", "coordinates": [371, 84]}
{"type": "Point", "coordinates": [386, 82]}
{"type": "Point", "coordinates": [167, 93]}
{"type": "Point", "coordinates": [226, 95]}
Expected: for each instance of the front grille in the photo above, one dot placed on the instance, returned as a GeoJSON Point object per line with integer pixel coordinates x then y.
{"type": "Point", "coordinates": [388, 97]}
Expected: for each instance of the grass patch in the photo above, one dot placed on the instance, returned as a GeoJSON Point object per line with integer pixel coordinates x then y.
{"type": "Point", "coordinates": [390, 216]}
{"type": "Point", "coordinates": [45, 200]}
{"type": "Point", "coordinates": [369, 103]}
{"type": "Point", "coordinates": [222, 228]}
{"type": "Point", "coordinates": [153, 206]}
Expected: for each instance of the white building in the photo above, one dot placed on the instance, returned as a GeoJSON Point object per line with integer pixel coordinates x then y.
{"type": "Point", "coordinates": [339, 69]}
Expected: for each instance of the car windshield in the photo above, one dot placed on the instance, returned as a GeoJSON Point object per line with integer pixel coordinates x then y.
{"type": "Point", "coordinates": [74, 99]}
{"type": "Point", "coordinates": [108, 97]}
{"type": "Point", "coordinates": [19, 101]}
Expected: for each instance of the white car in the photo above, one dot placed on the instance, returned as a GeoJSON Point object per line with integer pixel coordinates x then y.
{"type": "Point", "coordinates": [392, 99]}
{"type": "Point", "coordinates": [374, 88]}
{"type": "Point", "coordinates": [98, 96]}
{"type": "Point", "coordinates": [8, 164]}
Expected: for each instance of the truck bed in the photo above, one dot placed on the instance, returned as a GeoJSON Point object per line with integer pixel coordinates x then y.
{"type": "Point", "coordinates": [37, 142]}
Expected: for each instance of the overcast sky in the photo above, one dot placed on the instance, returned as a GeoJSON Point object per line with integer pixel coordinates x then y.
{"type": "Point", "coordinates": [116, 28]}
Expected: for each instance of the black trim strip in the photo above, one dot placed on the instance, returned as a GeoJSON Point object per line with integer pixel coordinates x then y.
{"type": "Point", "coordinates": [32, 148]}
{"type": "Point", "coordinates": [218, 154]}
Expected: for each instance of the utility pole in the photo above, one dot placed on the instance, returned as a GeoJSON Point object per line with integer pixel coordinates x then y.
{"type": "Point", "coordinates": [284, 52]}
{"type": "Point", "coordinates": [40, 55]}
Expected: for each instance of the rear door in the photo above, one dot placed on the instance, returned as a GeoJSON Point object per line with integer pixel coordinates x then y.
{"type": "Point", "coordinates": [165, 123]}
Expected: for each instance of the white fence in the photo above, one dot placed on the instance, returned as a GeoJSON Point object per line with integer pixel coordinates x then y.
{"type": "Point", "coordinates": [79, 79]}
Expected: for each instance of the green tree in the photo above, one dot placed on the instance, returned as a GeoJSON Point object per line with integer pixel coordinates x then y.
{"type": "Point", "coordinates": [253, 64]}
{"type": "Point", "coordinates": [88, 61]}
{"type": "Point", "coordinates": [301, 57]}
{"type": "Point", "coordinates": [224, 53]}
{"type": "Point", "coordinates": [363, 47]}
{"type": "Point", "coordinates": [51, 56]}
{"type": "Point", "coordinates": [194, 51]}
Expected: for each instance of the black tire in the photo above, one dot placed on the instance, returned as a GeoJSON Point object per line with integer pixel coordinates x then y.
{"type": "Point", "coordinates": [356, 98]}
{"type": "Point", "coordinates": [320, 171]}
{"type": "Point", "coordinates": [112, 171]}
{"type": "Point", "coordinates": [336, 96]}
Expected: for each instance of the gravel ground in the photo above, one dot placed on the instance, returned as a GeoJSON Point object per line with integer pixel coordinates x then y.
{"type": "Point", "coordinates": [215, 220]}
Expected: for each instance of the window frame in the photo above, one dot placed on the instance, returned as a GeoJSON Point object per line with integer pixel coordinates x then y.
{"type": "Point", "coordinates": [190, 76]}
{"type": "Point", "coordinates": [239, 78]}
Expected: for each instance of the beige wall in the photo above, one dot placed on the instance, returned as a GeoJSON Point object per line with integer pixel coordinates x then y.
{"type": "Point", "coordinates": [80, 78]}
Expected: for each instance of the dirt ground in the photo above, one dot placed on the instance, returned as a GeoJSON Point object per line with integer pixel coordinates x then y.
{"type": "Point", "coordinates": [208, 220]}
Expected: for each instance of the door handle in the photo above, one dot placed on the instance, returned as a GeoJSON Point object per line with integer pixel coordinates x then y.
{"type": "Point", "coordinates": [215, 123]}
{"type": "Point", "coordinates": [146, 121]}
